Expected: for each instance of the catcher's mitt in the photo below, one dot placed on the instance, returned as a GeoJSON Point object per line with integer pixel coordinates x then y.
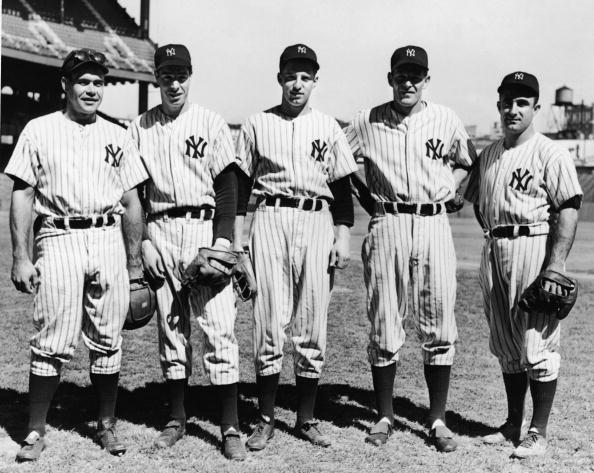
{"type": "Point", "coordinates": [210, 267]}
{"type": "Point", "coordinates": [143, 303]}
{"type": "Point", "coordinates": [536, 299]}
{"type": "Point", "coordinates": [244, 280]}
{"type": "Point", "coordinates": [455, 204]}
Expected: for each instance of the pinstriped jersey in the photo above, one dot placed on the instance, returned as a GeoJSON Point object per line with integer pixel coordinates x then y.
{"type": "Point", "coordinates": [294, 157]}
{"type": "Point", "coordinates": [410, 159]}
{"type": "Point", "coordinates": [180, 157]}
{"type": "Point", "coordinates": [521, 185]}
{"type": "Point", "coordinates": [74, 168]}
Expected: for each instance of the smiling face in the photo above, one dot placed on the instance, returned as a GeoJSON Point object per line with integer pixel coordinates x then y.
{"type": "Point", "coordinates": [84, 92]}
{"type": "Point", "coordinates": [517, 108]}
{"type": "Point", "coordinates": [408, 82]}
{"type": "Point", "coordinates": [174, 84]}
{"type": "Point", "coordinates": [297, 79]}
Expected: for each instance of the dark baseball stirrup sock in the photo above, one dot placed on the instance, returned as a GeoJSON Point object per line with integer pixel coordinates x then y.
{"type": "Point", "coordinates": [267, 386]}
{"type": "Point", "coordinates": [516, 385]}
{"type": "Point", "coordinates": [307, 389]}
{"type": "Point", "coordinates": [438, 384]}
{"type": "Point", "coordinates": [543, 394]}
{"type": "Point", "coordinates": [106, 390]}
{"type": "Point", "coordinates": [383, 387]}
{"type": "Point", "coordinates": [41, 393]}
{"type": "Point", "coordinates": [227, 394]}
{"type": "Point", "coordinates": [177, 393]}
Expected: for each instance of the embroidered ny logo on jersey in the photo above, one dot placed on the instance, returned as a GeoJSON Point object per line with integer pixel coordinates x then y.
{"type": "Point", "coordinates": [520, 179]}
{"type": "Point", "coordinates": [434, 148]}
{"type": "Point", "coordinates": [195, 149]}
{"type": "Point", "coordinates": [318, 150]}
{"type": "Point", "coordinates": [112, 156]}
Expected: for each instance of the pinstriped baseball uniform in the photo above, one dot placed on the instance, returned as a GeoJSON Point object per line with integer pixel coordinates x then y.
{"type": "Point", "coordinates": [520, 186]}
{"type": "Point", "coordinates": [74, 170]}
{"type": "Point", "coordinates": [180, 157]}
{"type": "Point", "coordinates": [410, 160]}
{"type": "Point", "coordinates": [290, 246]}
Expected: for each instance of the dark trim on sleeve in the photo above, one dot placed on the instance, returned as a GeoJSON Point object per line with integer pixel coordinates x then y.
{"type": "Point", "coordinates": [341, 207]}
{"type": "Point", "coordinates": [225, 188]}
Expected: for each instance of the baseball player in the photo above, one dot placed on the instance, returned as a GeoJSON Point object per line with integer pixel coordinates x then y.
{"type": "Point", "coordinates": [299, 161]}
{"type": "Point", "coordinates": [416, 154]}
{"type": "Point", "coordinates": [184, 154]}
{"type": "Point", "coordinates": [66, 164]}
{"type": "Point", "coordinates": [519, 184]}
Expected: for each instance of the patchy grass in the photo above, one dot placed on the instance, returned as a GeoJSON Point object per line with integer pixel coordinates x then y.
{"type": "Point", "coordinates": [476, 402]}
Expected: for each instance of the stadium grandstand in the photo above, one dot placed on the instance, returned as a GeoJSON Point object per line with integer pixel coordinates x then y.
{"type": "Point", "coordinates": [38, 34]}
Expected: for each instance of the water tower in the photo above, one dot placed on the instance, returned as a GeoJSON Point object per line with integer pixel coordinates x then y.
{"type": "Point", "coordinates": [563, 103]}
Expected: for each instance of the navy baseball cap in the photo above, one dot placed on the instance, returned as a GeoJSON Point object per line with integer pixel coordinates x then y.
{"type": "Point", "coordinates": [409, 55]}
{"type": "Point", "coordinates": [520, 78]}
{"type": "Point", "coordinates": [172, 55]}
{"type": "Point", "coordinates": [298, 51]}
{"type": "Point", "coordinates": [79, 57]}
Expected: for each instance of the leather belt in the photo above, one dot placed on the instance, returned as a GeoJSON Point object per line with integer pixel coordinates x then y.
{"type": "Point", "coordinates": [513, 231]}
{"type": "Point", "coordinates": [202, 213]}
{"type": "Point", "coordinates": [80, 223]}
{"type": "Point", "coordinates": [425, 210]}
{"type": "Point", "coordinates": [297, 203]}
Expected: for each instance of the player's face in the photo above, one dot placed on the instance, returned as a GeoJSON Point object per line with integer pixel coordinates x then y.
{"type": "Point", "coordinates": [84, 90]}
{"type": "Point", "coordinates": [297, 79]}
{"type": "Point", "coordinates": [516, 110]}
{"type": "Point", "coordinates": [174, 83]}
{"type": "Point", "coordinates": [408, 83]}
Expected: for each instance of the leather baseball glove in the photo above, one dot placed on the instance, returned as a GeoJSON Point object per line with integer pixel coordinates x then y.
{"type": "Point", "coordinates": [244, 280]}
{"type": "Point", "coordinates": [455, 204]}
{"type": "Point", "coordinates": [536, 298]}
{"type": "Point", "coordinates": [143, 303]}
{"type": "Point", "coordinates": [210, 267]}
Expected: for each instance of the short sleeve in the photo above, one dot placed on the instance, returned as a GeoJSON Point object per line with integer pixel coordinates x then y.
{"type": "Point", "coordinates": [462, 152]}
{"type": "Point", "coordinates": [561, 178]}
{"type": "Point", "coordinates": [344, 162]}
{"type": "Point", "coordinates": [132, 170]}
{"type": "Point", "coordinates": [223, 153]}
{"type": "Point", "coordinates": [353, 140]}
{"type": "Point", "coordinates": [245, 149]}
{"type": "Point", "coordinates": [24, 161]}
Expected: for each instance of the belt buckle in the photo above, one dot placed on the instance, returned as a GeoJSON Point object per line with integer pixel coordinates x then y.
{"type": "Point", "coordinates": [516, 231]}
{"type": "Point", "coordinates": [307, 204]}
{"type": "Point", "coordinates": [418, 206]}
{"type": "Point", "coordinates": [66, 221]}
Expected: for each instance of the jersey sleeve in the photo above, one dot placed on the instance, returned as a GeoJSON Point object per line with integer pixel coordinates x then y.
{"type": "Point", "coordinates": [223, 153]}
{"type": "Point", "coordinates": [462, 152]}
{"type": "Point", "coordinates": [353, 139]}
{"type": "Point", "coordinates": [246, 150]}
{"type": "Point", "coordinates": [133, 170]}
{"type": "Point", "coordinates": [343, 160]}
{"type": "Point", "coordinates": [24, 160]}
{"type": "Point", "coordinates": [471, 194]}
{"type": "Point", "coordinates": [561, 178]}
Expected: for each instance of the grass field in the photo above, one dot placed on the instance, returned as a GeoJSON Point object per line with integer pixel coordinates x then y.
{"type": "Point", "coordinates": [476, 402]}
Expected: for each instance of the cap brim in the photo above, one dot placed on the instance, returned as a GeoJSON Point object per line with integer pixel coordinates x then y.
{"type": "Point", "coordinates": [86, 63]}
{"type": "Point", "coordinates": [173, 62]}
{"type": "Point", "coordinates": [299, 58]}
{"type": "Point", "coordinates": [407, 62]}
{"type": "Point", "coordinates": [520, 85]}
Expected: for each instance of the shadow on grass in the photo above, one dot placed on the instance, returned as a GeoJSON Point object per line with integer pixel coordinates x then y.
{"type": "Point", "coordinates": [73, 408]}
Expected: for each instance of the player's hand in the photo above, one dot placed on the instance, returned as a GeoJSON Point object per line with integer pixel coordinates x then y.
{"type": "Point", "coordinates": [153, 263]}
{"type": "Point", "coordinates": [340, 253]}
{"type": "Point", "coordinates": [553, 287]}
{"type": "Point", "coordinates": [24, 275]}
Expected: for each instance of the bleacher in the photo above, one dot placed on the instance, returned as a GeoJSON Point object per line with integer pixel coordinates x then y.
{"type": "Point", "coordinates": [117, 17]}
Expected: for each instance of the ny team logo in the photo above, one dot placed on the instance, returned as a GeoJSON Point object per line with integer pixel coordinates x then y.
{"type": "Point", "coordinates": [318, 150]}
{"type": "Point", "coordinates": [113, 156]}
{"type": "Point", "coordinates": [434, 148]}
{"type": "Point", "coordinates": [195, 149]}
{"type": "Point", "coordinates": [519, 76]}
{"type": "Point", "coordinates": [301, 49]}
{"type": "Point", "coordinates": [410, 52]}
{"type": "Point", "coordinates": [520, 179]}
{"type": "Point", "coordinates": [170, 51]}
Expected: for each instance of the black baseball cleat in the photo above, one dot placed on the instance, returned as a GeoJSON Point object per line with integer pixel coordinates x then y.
{"type": "Point", "coordinates": [173, 431]}
{"type": "Point", "coordinates": [443, 439]}
{"type": "Point", "coordinates": [379, 433]}
{"type": "Point", "coordinates": [107, 438]}
{"type": "Point", "coordinates": [31, 447]}
{"type": "Point", "coordinates": [310, 431]}
{"type": "Point", "coordinates": [233, 448]}
{"type": "Point", "coordinates": [262, 434]}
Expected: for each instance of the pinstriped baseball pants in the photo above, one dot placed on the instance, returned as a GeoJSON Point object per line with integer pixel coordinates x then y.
{"type": "Point", "coordinates": [407, 248]}
{"type": "Point", "coordinates": [291, 251]}
{"type": "Point", "coordinates": [83, 288]}
{"type": "Point", "coordinates": [178, 240]}
{"type": "Point", "coordinates": [520, 341]}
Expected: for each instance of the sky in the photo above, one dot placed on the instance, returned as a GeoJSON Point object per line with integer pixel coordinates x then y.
{"type": "Point", "coordinates": [235, 47]}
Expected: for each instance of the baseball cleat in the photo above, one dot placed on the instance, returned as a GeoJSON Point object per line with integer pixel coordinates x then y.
{"type": "Point", "coordinates": [107, 438]}
{"type": "Point", "coordinates": [310, 431]}
{"type": "Point", "coordinates": [379, 433]}
{"type": "Point", "coordinates": [262, 434]}
{"type": "Point", "coordinates": [31, 447]}
{"type": "Point", "coordinates": [533, 445]}
{"type": "Point", "coordinates": [233, 447]}
{"type": "Point", "coordinates": [173, 431]}
{"type": "Point", "coordinates": [443, 439]}
{"type": "Point", "coordinates": [506, 433]}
